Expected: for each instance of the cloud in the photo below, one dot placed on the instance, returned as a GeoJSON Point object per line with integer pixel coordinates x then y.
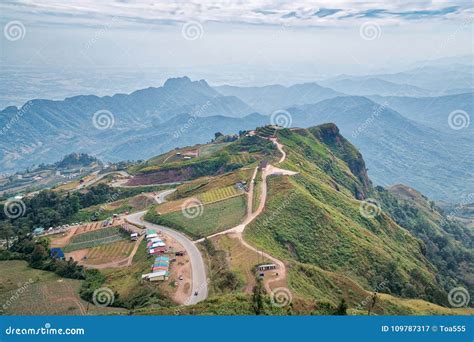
{"type": "Point", "coordinates": [264, 12]}
{"type": "Point", "coordinates": [326, 12]}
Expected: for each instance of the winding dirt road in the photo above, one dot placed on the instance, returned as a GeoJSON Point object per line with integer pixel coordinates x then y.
{"type": "Point", "coordinates": [239, 230]}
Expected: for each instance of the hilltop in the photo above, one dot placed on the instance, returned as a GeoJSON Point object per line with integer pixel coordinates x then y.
{"type": "Point", "coordinates": [297, 198]}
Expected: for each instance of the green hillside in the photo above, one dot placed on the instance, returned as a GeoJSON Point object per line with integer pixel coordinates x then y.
{"type": "Point", "coordinates": [446, 243]}
{"type": "Point", "coordinates": [314, 220]}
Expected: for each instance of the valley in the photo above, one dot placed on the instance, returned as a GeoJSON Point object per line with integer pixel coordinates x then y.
{"type": "Point", "coordinates": [286, 201]}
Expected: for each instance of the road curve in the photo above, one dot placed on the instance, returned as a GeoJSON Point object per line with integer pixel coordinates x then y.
{"type": "Point", "coordinates": [198, 269]}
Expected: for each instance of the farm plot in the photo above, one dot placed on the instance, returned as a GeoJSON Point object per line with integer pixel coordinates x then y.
{"type": "Point", "coordinates": [27, 291]}
{"type": "Point", "coordinates": [95, 238]}
{"type": "Point", "coordinates": [109, 252]}
{"type": "Point", "coordinates": [219, 194]}
{"type": "Point", "coordinates": [88, 227]}
{"type": "Point", "coordinates": [206, 220]}
{"type": "Point", "coordinates": [242, 158]}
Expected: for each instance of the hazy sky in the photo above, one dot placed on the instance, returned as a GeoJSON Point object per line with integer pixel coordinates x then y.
{"type": "Point", "coordinates": [321, 37]}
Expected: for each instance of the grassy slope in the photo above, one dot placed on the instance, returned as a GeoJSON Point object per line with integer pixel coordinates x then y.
{"type": "Point", "coordinates": [46, 294]}
{"type": "Point", "coordinates": [321, 225]}
{"type": "Point", "coordinates": [215, 217]}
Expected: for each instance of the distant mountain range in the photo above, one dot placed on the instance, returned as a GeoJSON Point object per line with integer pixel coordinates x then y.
{"type": "Point", "coordinates": [431, 111]}
{"type": "Point", "coordinates": [371, 86]}
{"type": "Point", "coordinates": [270, 98]}
{"type": "Point", "coordinates": [397, 149]}
{"type": "Point", "coordinates": [404, 138]}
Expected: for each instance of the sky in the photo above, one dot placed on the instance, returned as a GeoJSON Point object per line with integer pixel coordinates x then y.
{"type": "Point", "coordinates": [314, 39]}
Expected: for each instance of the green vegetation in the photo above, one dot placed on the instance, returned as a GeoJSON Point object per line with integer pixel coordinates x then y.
{"type": "Point", "coordinates": [219, 194]}
{"type": "Point", "coordinates": [313, 219]}
{"type": "Point", "coordinates": [95, 238]}
{"type": "Point", "coordinates": [49, 208]}
{"type": "Point", "coordinates": [75, 160]}
{"type": "Point", "coordinates": [447, 244]}
{"type": "Point", "coordinates": [38, 256]}
{"type": "Point", "coordinates": [208, 184]}
{"type": "Point", "coordinates": [266, 131]}
{"type": "Point", "coordinates": [210, 149]}
{"type": "Point", "coordinates": [28, 291]}
{"type": "Point", "coordinates": [223, 280]}
{"type": "Point", "coordinates": [237, 154]}
{"type": "Point", "coordinates": [213, 217]}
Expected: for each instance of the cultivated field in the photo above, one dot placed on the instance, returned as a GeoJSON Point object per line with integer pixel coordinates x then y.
{"type": "Point", "coordinates": [219, 194]}
{"type": "Point", "coordinates": [105, 253]}
{"type": "Point", "coordinates": [210, 218]}
{"type": "Point", "coordinates": [89, 227]}
{"type": "Point", "coordinates": [241, 158]}
{"type": "Point", "coordinates": [205, 184]}
{"type": "Point", "coordinates": [26, 291]}
{"type": "Point", "coordinates": [94, 238]}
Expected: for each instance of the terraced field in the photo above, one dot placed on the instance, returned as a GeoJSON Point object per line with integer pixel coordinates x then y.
{"type": "Point", "coordinates": [219, 194]}
{"type": "Point", "coordinates": [266, 131]}
{"type": "Point", "coordinates": [94, 238]}
{"type": "Point", "coordinates": [242, 158]}
{"type": "Point", "coordinates": [109, 252]}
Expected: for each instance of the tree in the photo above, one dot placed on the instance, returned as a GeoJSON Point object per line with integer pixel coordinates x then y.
{"type": "Point", "coordinates": [38, 256]}
{"type": "Point", "coordinates": [217, 135]}
{"type": "Point", "coordinates": [6, 232]}
{"type": "Point", "coordinates": [342, 308]}
{"type": "Point", "coordinates": [372, 303]}
{"type": "Point", "coordinates": [257, 297]}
